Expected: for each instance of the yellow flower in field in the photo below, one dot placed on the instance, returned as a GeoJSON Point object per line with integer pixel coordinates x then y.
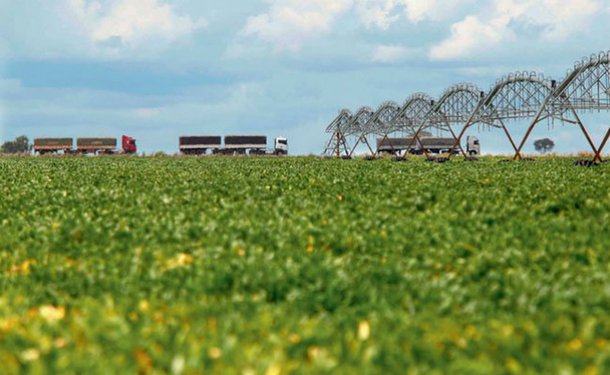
{"type": "Point", "coordinates": [22, 269]}
{"type": "Point", "coordinates": [59, 343]}
{"type": "Point", "coordinates": [55, 226]}
{"type": "Point", "coordinates": [294, 338]}
{"type": "Point", "coordinates": [364, 330]}
{"type": "Point", "coordinates": [214, 353]}
{"type": "Point", "coordinates": [7, 324]}
{"type": "Point", "coordinates": [314, 352]}
{"type": "Point", "coordinates": [51, 313]}
{"type": "Point", "coordinates": [575, 345]}
{"type": "Point", "coordinates": [462, 343]}
{"type": "Point", "coordinates": [179, 261]}
{"type": "Point", "coordinates": [30, 355]}
{"type": "Point", "coordinates": [507, 330]}
{"type": "Point", "coordinates": [144, 361]}
{"type": "Point", "coordinates": [274, 369]}
{"type": "Point", "coordinates": [340, 197]}
{"type": "Point", "coordinates": [513, 365]}
{"type": "Point", "coordinates": [310, 243]}
{"type": "Point", "coordinates": [178, 364]}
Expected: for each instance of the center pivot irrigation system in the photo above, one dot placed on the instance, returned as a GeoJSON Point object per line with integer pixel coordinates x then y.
{"type": "Point", "coordinates": [520, 97]}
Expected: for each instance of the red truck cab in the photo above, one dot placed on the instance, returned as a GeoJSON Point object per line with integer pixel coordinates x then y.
{"type": "Point", "coordinates": [129, 145]}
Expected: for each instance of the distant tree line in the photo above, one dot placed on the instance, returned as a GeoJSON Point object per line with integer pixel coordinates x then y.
{"type": "Point", "coordinates": [20, 145]}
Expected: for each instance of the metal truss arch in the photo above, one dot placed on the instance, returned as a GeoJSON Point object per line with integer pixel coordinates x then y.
{"type": "Point", "coordinates": [516, 96]}
{"type": "Point", "coordinates": [457, 104]}
{"type": "Point", "coordinates": [340, 122]}
{"type": "Point", "coordinates": [361, 128]}
{"type": "Point", "coordinates": [338, 143]}
{"type": "Point", "coordinates": [383, 120]}
{"type": "Point", "coordinates": [520, 96]}
{"type": "Point", "coordinates": [454, 108]}
{"type": "Point", "coordinates": [360, 120]}
{"type": "Point", "coordinates": [414, 111]}
{"type": "Point", "coordinates": [586, 88]}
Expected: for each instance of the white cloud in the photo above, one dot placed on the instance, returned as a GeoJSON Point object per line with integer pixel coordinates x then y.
{"type": "Point", "coordinates": [389, 53]}
{"type": "Point", "coordinates": [557, 20]}
{"type": "Point", "coordinates": [288, 23]}
{"type": "Point", "coordinates": [565, 17]}
{"type": "Point", "coordinates": [418, 10]}
{"type": "Point", "coordinates": [436, 10]}
{"type": "Point", "coordinates": [379, 13]}
{"type": "Point", "coordinates": [129, 24]}
{"type": "Point", "coordinates": [93, 29]}
{"type": "Point", "coordinates": [469, 37]}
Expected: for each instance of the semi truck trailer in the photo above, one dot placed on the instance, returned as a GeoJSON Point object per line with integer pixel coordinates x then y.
{"type": "Point", "coordinates": [233, 145]}
{"type": "Point", "coordinates": [52, 145]}
{"type": "Point", "coordinates": [242, 144]}
{"type": "Point", "coordinates": [431, 145]}
{"type": "Point", "coordinates": [96, 145]}
{"type": "Point", "coordinates": [102, 145]}
{"type": "Point", "coordinates": [200, 144]}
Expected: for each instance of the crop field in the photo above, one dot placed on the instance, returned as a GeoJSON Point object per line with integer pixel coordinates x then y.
{"type": "Point", "coordinates": [304, 266]}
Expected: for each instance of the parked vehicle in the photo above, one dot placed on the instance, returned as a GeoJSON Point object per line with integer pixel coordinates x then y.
{"type": "Point", "coordinates": [104, 145]}
{"type": "Point", "coordinates": [200, 144]}
{"type": "Point", "coordinates": [473, 145]}
{"type": "Point", "coordinates": [431, 145]}
{"type": "Point", "coordinates": [242, 144]}
{"type": "Point", "coordinates": [233, 145]}
{"type": "Point", "coordinates": [395, 145]}
{"type": "Point", "coordinates": [52, 145]}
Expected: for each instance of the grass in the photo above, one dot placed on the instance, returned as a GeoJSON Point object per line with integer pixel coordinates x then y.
{"type": "Point", "coordinates": [300, 265]}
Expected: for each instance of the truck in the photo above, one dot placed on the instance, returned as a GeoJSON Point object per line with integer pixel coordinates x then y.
{"type": "Point", "coordinates": [233, 145]}
{"type": "Point", "coordinates": [105, 145]}
{"type": "Point", "coordinates": [431, 145]}
{"type": "Point", "coordinates": [52, 145]}
{"type": "Point", "coordinates": [200, 144]}
{"type": "Point", "coordinates": [95, 145]}
{"type": "Point", "coordinates": [241, 144]}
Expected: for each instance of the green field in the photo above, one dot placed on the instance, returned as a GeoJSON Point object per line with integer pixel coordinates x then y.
{"type": "Point", "coordinates": [305, 266]}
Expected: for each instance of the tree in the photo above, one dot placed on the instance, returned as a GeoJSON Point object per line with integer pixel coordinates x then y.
{"type": "Point", "coordinates": [544, 145]}
{"type": "Point", "coordinates": [20, 145]}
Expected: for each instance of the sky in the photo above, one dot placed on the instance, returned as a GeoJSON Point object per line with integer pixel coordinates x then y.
{"type": "Point", "coordinates": [158, 69]}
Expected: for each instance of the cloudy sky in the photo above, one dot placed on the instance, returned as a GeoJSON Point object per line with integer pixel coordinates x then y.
{"type": "Point", "coordinates": [157, 69]}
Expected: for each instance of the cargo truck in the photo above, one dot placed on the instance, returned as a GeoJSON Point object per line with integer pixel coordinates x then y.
{"type": "Point", "coordinates": [200, 144]}
{"type": "Point", "coordinates": [96, 145]}
{"type": "Point", "coordinates": [241, 144]}
{"type": "Point", "coordinates": [431, 145]}
{"type": "Point", "coordinates": [233, 145]}
{"type": "Point", "coordinates": [254, 145]}
{"type": "Point", "coordinates": [84, 145]}
{"type": "Point", "coordinates": [52, 145]}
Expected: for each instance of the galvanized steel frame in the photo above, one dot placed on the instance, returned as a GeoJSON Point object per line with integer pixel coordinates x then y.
{"type": "Point", "coordinates": [586, 88]}
{"type": "Point", "coordinates": [519, 96]}
{"type": "Point", "coordinates": [515, 97]}
{"type": "Point", "coordinates": [410, 117]}
{"type": "Point", "coordinates": [337, 144]}
{"type": "Point", "coordinates": [454, 108]}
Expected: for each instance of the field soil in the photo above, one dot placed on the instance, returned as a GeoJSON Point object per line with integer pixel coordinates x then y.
{"type": "Point", "coordinates": [302, 265]}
